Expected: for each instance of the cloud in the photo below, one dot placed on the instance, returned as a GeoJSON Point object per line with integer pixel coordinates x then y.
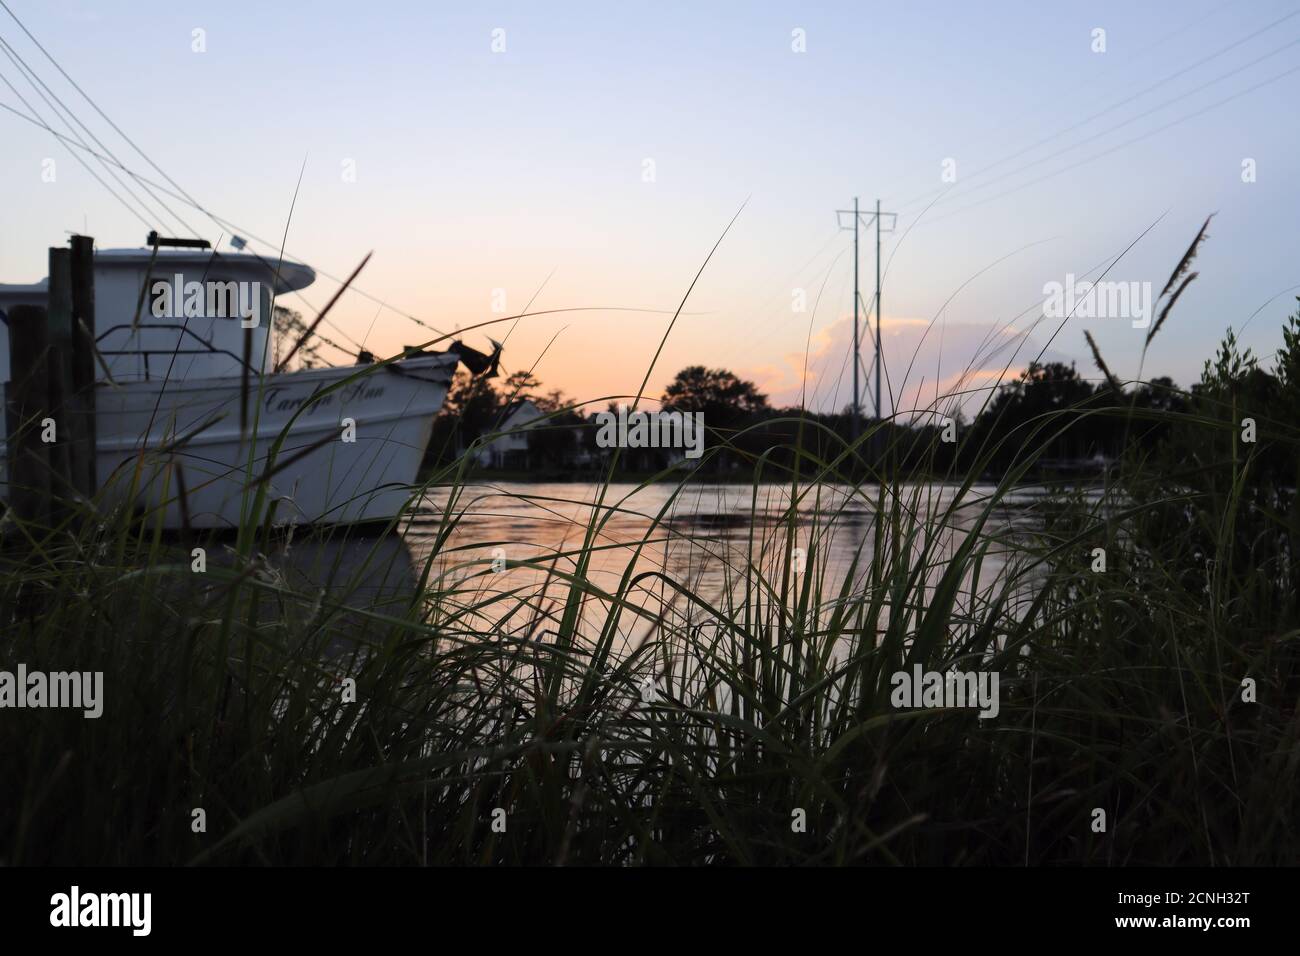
{"type": "Point", "coordinates": [959, 362]}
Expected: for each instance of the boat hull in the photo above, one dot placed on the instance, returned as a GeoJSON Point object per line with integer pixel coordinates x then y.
{"type": "Point", "coordinates": [324, 446]}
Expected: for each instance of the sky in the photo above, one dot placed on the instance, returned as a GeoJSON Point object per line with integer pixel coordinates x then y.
{"type": "Point", "coordinates": [587, 157]}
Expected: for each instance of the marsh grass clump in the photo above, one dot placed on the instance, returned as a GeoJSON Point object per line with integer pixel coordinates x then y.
{"type": "Point", "coordinates": [535, 712]}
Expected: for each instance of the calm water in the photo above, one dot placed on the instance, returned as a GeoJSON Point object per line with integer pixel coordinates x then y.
{"type": "Point", "coordinates": [710, 538]}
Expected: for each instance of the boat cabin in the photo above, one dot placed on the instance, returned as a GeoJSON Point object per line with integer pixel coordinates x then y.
{"type": "Point", "coordinates": [175, 314]}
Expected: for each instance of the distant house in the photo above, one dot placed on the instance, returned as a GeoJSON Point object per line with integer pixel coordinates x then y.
{"type": "Point", "coordinates": [511, 448]}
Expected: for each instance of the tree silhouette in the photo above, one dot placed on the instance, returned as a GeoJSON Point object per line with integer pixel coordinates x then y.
{"type": "Point", "coordinates": [723, 397]}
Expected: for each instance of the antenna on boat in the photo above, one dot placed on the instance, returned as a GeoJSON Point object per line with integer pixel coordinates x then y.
{"type": "Point", "coordinates": [157, 241]}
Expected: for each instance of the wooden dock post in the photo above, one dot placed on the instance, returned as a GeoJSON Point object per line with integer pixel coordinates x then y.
{"type": "Point", "coordinates": [84, 478]}
{"type": "Point", "coordinates": [59, 370]}
{"type": "Point", "coordinates": [27, 404]}
{"type": "Point", "coordinates": [50, 398]}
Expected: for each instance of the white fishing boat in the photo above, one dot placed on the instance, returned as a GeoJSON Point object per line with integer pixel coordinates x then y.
{"type": "Point", "coordinates": [192, 419]}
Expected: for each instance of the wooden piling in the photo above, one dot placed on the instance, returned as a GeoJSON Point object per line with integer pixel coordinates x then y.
{"type": "Point", "coordinates": [84, 477]}
{"type": "Point", "coordinates": [27, 405]}
{"type": "Point", "coordinates": [50, 398]}
{"type": "Point", "coordinates": [59, 372]}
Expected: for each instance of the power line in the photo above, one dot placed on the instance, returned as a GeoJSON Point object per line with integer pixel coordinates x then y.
{"type": "Point", "coordinates": [69, 117]}
{"type": "Point", "coordinates": [126, 205]}
{"type": "Point", "coordinates": [150, 216]}
{"type": "Point", "coordinates": [184, 195]}
{"type": "Point", "coordinates": [231, 226]}
{"type": "Point", "coordinates": [95, 105]}
{"type": "Point", "coordinates": [1132, 119]}
{"type": "Point", "coordinates": [913, 200]}
{"type": "Point", "coordinates": [81, 143]}
{"type": "Point", "coordinates": [1118, 146]}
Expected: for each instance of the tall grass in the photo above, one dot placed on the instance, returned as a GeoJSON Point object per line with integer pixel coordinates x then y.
{"type": "Point", "coordinates": [540, 714]}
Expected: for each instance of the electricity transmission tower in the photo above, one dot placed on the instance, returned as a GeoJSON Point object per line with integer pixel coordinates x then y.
{"type": "Point", "coordinates": [866, 220]}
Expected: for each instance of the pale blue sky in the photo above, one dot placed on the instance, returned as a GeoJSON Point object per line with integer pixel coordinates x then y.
{"type": "Point", "coordinates": [478, 171]}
